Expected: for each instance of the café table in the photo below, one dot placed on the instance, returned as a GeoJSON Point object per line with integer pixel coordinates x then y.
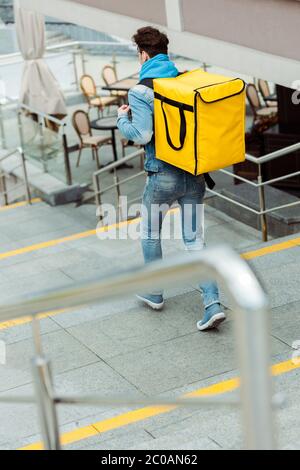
{"type": "Point", "coordinates": [109, 124]}
{"type": "Point", "coordinates": [123, 85]}
{"type": "Point", "coordinates": [272, 97]}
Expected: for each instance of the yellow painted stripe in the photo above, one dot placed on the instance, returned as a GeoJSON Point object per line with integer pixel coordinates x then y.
{"type": "Point", "coordinates": [77, 236]}
{"type": "Point", "coordinates": [272, 249]}
{"type": "Point", "coordinates": [59, 241]}
{"type": "Point", "coordinates": [284, 367]}
{"type": "Point", "coordinates": [22, 321]}
{"type": "Point", "coordinates": [216, 389]}
{"type": "Point", "coordinates": [249, 255]}
{"type": "Point", "coordinates": [147, 412]}
{"type": "Point", "coordinates": [150, 411]}
{"type": "Point", "coordinates": [89, 233]}
{"type": "Point", "coordinates": [19, 204]}
{"type": "Point", "coordinates": [68, 438]}
{"type": "Point", "coordinates": [47, 244]}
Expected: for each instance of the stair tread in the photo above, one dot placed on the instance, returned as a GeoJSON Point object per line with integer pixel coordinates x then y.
{"type": "Point", "coordinates": [273, 197]}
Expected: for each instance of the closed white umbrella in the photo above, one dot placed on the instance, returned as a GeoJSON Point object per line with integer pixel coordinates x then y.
{"type": "Point", "coordinates": [39, 89]}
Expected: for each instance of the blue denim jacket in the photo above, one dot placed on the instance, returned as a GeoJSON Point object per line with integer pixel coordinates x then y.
{"type": "Point", "coordinates": [139, 128]}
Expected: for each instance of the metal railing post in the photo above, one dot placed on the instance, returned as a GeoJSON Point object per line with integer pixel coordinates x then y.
{"type": "Point", "coordinates": [42, 145]}
{"type": "Point", "coordinates": [27, 189]}
{"type": "Point", "coordinates": [20, 127]}
{"type": "Point", "coordinates": [67, 158]}
{"type": "Point", "coordinates": [111, 168]}
{"type": "Point", "coordinates": [97, 193]}
{"type": "Point", "coordinates": [2, 129]}
{"type": "Point", "coordinates": [114, 63]}
{"type": "Point", "coordinates": [3, 188]}
{"type": "Point", "coordinates": [45, 394]}
{"type": "Point", "coordinates": [253, 347]}
{"type": "Point", "coordinates": [83, 62]}
{"type": "Point", "coordinates": [117, 184]}
{"type": "Point", "coordinates": [75, 70]}
{"type": "Point", "coordinates": [46, 404]}
{"type": "Point", "coordinates": [262, 206]}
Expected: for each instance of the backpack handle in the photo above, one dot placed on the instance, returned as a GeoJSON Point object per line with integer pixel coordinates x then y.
{"type": "Point", "coordinates": [182, 127]}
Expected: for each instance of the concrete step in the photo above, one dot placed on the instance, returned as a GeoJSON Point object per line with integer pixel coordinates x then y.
{"type": "Point", "coordinates": [124, 347]}
{"type": "Point", "coordinates": [44, 185]}
{"type": "Point", "coordinates": [183, 439]}
{"type": "Point", "coordinates": [16, 192]}
{"type": "Point", "coordinates": [280, 223]}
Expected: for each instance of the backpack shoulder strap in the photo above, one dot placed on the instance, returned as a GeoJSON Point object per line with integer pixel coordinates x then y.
{"type": "Point", "coordinates": [148, 82]}
{"type": "Point", "coordinates": [209, 181]}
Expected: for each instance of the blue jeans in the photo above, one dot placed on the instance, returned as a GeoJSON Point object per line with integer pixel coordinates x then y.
{"type": "Point", "coordinates": [161, 191]}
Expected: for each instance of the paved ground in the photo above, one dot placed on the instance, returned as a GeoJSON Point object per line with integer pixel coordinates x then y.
{"type": "Point", "coordinates": [124, 348]}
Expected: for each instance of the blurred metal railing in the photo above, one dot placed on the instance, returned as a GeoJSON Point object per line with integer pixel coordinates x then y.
{"type": "Point", "coordinates": [113, 168]}
{"type": "Point", "coordinates": [5, 101]}
{"type": "Point", "coordinates": [78, 51]}
{"type": "Point", "coordinates": [2, 128]}
{"type": "Point", "coordinates": [43, 120]}
{"type": "Point", "coordinates": [4, 191]}
{"type": "Point", "coordinates": [260, 186]}
{"type": "Point", "coordinates": [252, 325]}
{"type": "Point", "coordinates": [77, 48]}
{"type": "Point", "coordinates": [6, 58]}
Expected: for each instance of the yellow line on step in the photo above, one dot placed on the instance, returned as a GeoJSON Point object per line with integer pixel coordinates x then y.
{"type": "Point", "coordinates": [19, 204]}
{"type": "Point", "coordinates": [89, 233]}
{"type": "Point", "coordinates": [59, 241]}
{"type": "Point", "coordinates": [141, 414]}
{"type": "Point", "coordinates": [47, 244]}
{"type": "Point", "coordinates": [248, 255]}
{"type": "Point", "coordinates": [22, 321]}
{"type": "Point", "coordinates": [272, 248]}
{"type": "Point", "coordinates": [150, 411]}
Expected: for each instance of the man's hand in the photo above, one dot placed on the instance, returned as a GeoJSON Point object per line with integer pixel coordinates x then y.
{"type": "Point", "coordinates": [123, 110]}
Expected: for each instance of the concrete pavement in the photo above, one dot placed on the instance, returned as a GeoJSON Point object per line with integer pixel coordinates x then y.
{"type": "Point", "coordinates": [126, 348]}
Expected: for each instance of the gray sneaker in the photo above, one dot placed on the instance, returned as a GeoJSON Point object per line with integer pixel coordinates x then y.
{"type": "Point", "coordinates": [213, 317]}
{"type": "Point", "coordinates": [156, 302]}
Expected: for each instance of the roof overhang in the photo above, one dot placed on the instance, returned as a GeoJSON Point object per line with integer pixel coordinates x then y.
{"type": "Point", "coordinates": [254, 37]}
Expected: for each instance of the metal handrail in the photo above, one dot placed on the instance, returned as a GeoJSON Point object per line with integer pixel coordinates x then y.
{"type": "Point", "coordinates": [251, 316]}
{"type": "Point", "coordinates": [273, 155]}
{"type": "Point", "coordinates": [41, 114]}
{"type": "Point", "coordinates": [118, 163]}
{"type": "Point", "coordinates": [260, 185]}
{"type": "Point", "coordinates": [183, 267]}
{"type": "Point", "coordinates": [10, 153]}
{"type": "Point", "coordinates": [73, 47]}
{"type": "Point", "coordinates": [256, 160]}
{"type": "Point", "coordinates": [3, 189]}
{"type": "Point", "coordinates": [67, 45]}
{"type": "Point", "coordinates": [62, 124]}
{"type": "Point", "coordinates": [113, 167]}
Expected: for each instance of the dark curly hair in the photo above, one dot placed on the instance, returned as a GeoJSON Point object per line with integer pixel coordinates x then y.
{"type": "Point", "coordinates": [151, 40]}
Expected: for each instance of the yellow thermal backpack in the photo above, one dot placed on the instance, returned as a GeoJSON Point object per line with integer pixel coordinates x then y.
{"type": "Point", "coordinates": [199, 121]}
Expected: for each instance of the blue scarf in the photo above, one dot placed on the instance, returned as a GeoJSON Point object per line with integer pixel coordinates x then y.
{"type": "Point", "coordinates": [160, 66]}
